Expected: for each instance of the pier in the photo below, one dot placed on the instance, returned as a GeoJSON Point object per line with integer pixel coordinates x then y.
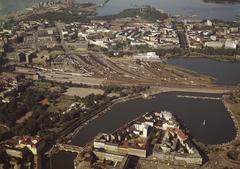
{"type": "Point", "coordinates": [199, 97]}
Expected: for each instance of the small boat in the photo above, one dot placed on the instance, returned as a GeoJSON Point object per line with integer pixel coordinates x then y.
{"type": "Point", "coordinates": [204, 123]}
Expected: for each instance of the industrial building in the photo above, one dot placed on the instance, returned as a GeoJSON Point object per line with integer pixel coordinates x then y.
{"type": "Point", "coordinates": [149, 56]}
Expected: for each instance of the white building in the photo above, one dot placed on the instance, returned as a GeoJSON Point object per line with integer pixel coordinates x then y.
{"type": "Point", "coordinates": [213, 37]}
{"type": "Point", "coordinates": [99, 43]}
{"type": "Point", "coordinates": [166, 115]}
{"type": "Point", "coordinates": [143, 128]}
{"type": "Point", "coordinates": [208, 23]}
{"type": "Point", "coordinates": [64, 33]}
{"type": "Point", "coordinates": [166, 125]}
{"type": "Point", "coordinates": [231, 44]}
{"type": "Point", "coordinates": [214, 44]}
{"type": "Point", "coordinates": [147, 56]}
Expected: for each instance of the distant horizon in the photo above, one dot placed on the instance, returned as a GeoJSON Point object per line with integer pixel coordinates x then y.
{"type": "Point", "coordinates": [198, 8]}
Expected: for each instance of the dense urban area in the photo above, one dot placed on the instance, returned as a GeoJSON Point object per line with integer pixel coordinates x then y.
{"type": "Point", "coordinates": [62, 66]}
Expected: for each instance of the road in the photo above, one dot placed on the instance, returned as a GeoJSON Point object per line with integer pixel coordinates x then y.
{"type": "Point", "coordinates": [71, 78]}
{"type": "Point", "coordinates": [216, 90]}
{"type": "Point", "coordinates": [183, 40]}
{"type": "Point", "coordinates": [60, 27]}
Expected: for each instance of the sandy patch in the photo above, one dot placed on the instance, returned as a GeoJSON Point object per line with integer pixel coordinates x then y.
{"type": "Point", "coordinates": [82, 92]}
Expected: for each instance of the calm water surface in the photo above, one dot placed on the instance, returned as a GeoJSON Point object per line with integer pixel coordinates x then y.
{"type": "Point", "coordinates": [175, 7]}
{"type": "Point", "coordinates": [191, 113]}
{"type": "Point", "coordinates": [226, 73]}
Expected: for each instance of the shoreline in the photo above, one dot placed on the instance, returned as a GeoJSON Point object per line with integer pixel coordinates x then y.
{"type": "Point", "coordinates": [151, 94]}
{"type": "Point", "coordinates": [235, 121]}
{"type": "Point", "coordinates": [212, 90]}
{"type": "Point", "coordinates": [73, 134]}
{"type": "Point", "coordinates": [219, 58]}
{"type": "Point", "coordinates": [232, 142]}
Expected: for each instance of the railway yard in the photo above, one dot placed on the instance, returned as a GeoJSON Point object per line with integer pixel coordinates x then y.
{"type": "Point", "coordinates": [97, 69]}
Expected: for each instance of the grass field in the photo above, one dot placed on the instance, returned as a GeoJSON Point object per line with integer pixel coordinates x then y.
{"type": "Point", "coordinates": [61, 104]}
{"type": "Point", "coordinates": [235, 108]}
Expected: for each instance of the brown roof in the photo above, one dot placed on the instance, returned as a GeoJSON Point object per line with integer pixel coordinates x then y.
{"type": "Point", "coordinates": [179, 132]}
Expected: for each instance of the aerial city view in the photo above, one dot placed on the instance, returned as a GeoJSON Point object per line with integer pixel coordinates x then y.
{"type": "Point", "coordinates": [119, 84]}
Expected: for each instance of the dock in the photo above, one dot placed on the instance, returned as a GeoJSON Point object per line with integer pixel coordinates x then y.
{"type": "Point", "coordinates": [199, 97]}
